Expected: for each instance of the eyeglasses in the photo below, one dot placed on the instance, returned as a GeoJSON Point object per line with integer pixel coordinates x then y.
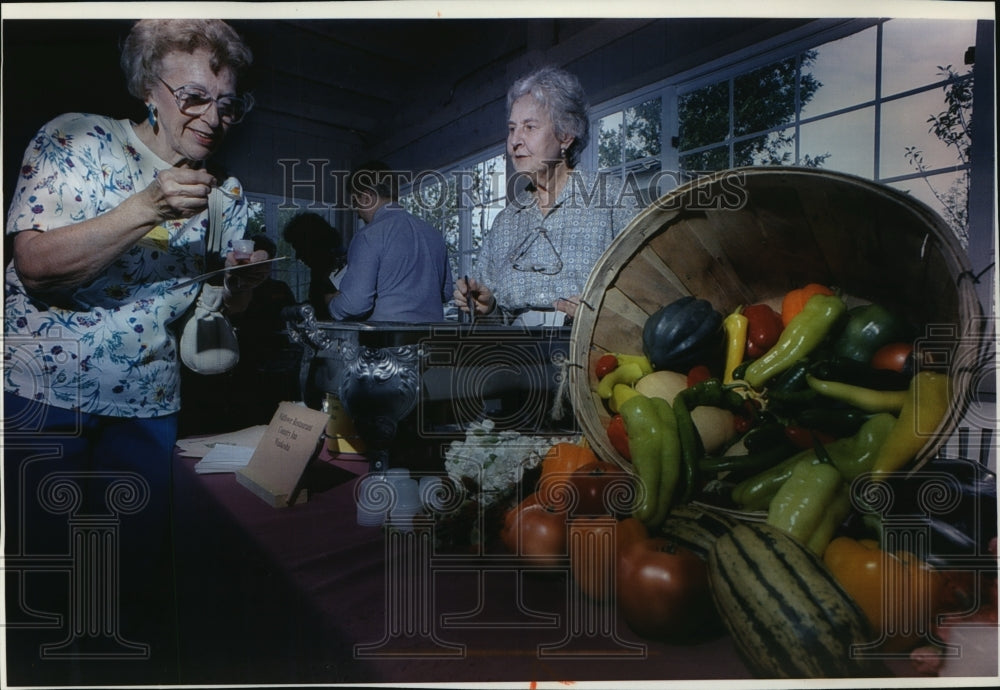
{"type": "Point", "coordinates": [194, 100]}
{"type": "Point", "coordinates": [545, 258]}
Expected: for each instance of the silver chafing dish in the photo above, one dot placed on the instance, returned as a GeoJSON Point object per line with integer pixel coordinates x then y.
{"type": "Point", "coordinates": [404, 382]}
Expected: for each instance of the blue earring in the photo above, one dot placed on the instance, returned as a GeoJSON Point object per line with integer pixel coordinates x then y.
{"type": "Point", "coordinates": [151, 114]}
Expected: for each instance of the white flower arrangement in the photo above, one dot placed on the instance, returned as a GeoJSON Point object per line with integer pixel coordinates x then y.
{"type": "Point", "coordinates": [494, 462]}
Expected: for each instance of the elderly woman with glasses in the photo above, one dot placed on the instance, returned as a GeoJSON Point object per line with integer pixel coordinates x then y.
{"type": "Point", "coordinates": [541, 248]}
{"type": "Point", "coordinates": [108, 216]}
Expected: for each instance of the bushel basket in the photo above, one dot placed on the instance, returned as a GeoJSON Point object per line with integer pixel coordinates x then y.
{"type": "Point", "coordinates": [750, 235]}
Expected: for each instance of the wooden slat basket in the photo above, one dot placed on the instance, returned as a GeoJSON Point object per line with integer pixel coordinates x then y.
{"type": "Point", "coordinates": [750, 235]}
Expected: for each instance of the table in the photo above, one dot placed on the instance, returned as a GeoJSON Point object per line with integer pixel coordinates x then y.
{"type": "Point", "coordinates": [300, 594]}
{"type": "Point", "coordinates": [303, 594]}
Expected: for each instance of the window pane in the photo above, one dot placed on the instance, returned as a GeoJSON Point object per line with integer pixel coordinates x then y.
{"type": "Point", "coordinates": [844, 142]}
{"type": "Point", "coordinates": [838, 74]}
{"type": "Point", "coordinates": [642, 130]}
{"type": "Point", "coordinates": [913, 49]}
{"type": "Point", "coordinates": [493, 179]}
{"type": "Point", "coordinates": [255, 222]}
{"type": "Point", "coordinates": [703, 115]}
{"type": "Point", "coordinates": [293, 272]}
{"type": "Point", "coordinates": [609, 142]}
{"type": "Point", "coordinates": [764, 98]}
{"type": "Point", "coordinates": [947, 194]}
{"type": "Point", "coordinates": [905, 130]}
{"type": "Point", "coordinates": [773, 148]}
{"type": "Point", "coordinates": [706, 161]}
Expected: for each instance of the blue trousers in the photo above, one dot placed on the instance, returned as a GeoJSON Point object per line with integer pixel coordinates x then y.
{"type": "Point", "coordinates": [87, 502]}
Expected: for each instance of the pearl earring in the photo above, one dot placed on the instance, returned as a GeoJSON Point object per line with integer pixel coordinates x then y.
{"type": "Point", "coordinates": [151, 114]}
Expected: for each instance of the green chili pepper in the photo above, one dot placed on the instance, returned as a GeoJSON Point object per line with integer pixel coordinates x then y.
{"type": "Point", "coordinates": [751, 463]}
{"type": "Point", "coordinates": [740, 371]}
{"type": "Point", "coordinates": [927, 403]}
{"type": "Point", "coordinates": [756, 492]}
{"type": "Point", "coordinates": [670, 461]}
{"type": "Point", "coordinates": [840, 422]}
{"type": "Point", "coordinates": [856, 373]}
{"type": "Point", "coordinates": [839, 508]}
{"type": "Point", "coordinates": [802, 335]}
{"type": "Point", "coordinates": [645, 440]}
{"type": "Point", "coordinates": [767, 435]}
{"type": "Point", "coordinates": [851, 456]}
{"type": "Point", "coordinates": [792, 379]}
{"type": "Point", "coordinates": [691, 447]}
{"type": "Point", "coordinates": [867, 399]}
{"type": "Point", "coordinates": [803, 500]}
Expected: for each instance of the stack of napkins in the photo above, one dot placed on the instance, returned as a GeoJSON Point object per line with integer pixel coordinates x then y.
{"type": "Point", "coordinates": [224, 452]}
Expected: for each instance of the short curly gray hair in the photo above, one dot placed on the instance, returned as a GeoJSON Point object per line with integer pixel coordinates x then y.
{"type": "Point", "coordinates": [562, 96]}
{"type": "Point", "coordinates": [151, 39]}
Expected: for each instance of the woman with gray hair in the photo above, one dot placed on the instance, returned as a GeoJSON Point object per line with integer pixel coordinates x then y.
{"type": "Point", "coordinates": [109, 217]}
{"type": "Point", "coordinates": [541, 248]}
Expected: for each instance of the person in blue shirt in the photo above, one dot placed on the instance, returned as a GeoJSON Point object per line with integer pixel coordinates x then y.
{"type": "Point", "coordinates": [397, 266]}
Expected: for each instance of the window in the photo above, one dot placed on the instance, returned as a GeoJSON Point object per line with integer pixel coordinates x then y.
{"type": "Point", "coordinates": [462, 202]}
{"type": "Point", "coordinates": [630, 136]}
{"type": "Point", "coordinates": [890, 102]}
{"type": "Point", "coordinates": [269, 214]}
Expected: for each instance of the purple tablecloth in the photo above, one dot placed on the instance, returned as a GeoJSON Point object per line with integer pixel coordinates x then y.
{"type": "Point", "coordinates": [303, 594]}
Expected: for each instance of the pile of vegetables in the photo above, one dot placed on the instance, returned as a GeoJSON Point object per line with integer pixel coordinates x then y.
{"type": "Point", "coordinates": [778, 413]}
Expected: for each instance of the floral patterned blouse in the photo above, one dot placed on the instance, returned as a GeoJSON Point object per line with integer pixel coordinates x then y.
{"type": "Point", "coordinates": [106, 348]}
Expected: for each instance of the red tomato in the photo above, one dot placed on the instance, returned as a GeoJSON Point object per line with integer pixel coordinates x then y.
{"type": "Point", "coordinates": [536, 530]}
{"type": "Point", "coordinates": [591, 486]}
{"type": "Point", "coordinates": [594, 545]}
{"type": "Point", "coordinates": [663, 591]}
{"type": "Point", "coordinates": [698, 373]}
{"type": "Point", "coordinates": [894, 357]}
{"type": "Point", "coordinates": [605, 365]}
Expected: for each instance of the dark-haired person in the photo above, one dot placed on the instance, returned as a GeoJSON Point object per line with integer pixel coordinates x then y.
{"type": "Point", "coordinates": [397, 266]}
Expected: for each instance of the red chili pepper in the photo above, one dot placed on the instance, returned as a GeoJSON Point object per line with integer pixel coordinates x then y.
{"type": "Point", "coordinates": [804, 438]}
{"type": "Point", "coordinates": [698, 374]}
{"type": "Point", "coordinates": [618, 437]}
{"type": "Point", "coordinates": [605, 365]}
{"type": "Point", "coordinates": [764, 327]}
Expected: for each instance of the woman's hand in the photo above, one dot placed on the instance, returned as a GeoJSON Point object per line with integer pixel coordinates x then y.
{"type": "Point", "coordinates": [179, 193]}
{"type": "Point", "coordinates": [240, 284]}
{"type": "Point", "coordinates": [482, 296]}
{"type": "Point", "coordinates": [567, 304]}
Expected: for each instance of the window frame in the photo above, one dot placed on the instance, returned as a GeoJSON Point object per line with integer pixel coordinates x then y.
{"type": "Point", "coordinates": [293, 272]}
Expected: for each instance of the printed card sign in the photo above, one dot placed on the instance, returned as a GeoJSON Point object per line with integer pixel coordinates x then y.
{"type": "Point", "coordinates": [289, 443]}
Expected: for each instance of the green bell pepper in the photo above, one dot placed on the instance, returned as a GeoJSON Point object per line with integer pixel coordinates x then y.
{"type": "Point", "coordinates": [868, 327]}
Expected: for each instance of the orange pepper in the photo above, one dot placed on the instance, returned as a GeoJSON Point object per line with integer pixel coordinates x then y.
{"type": "Point", "coordinates": [899, 594]}
{"type": "Point", "coordinates": [564, 458]}
{"type": "Point", "coordinates": [796, 299]}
